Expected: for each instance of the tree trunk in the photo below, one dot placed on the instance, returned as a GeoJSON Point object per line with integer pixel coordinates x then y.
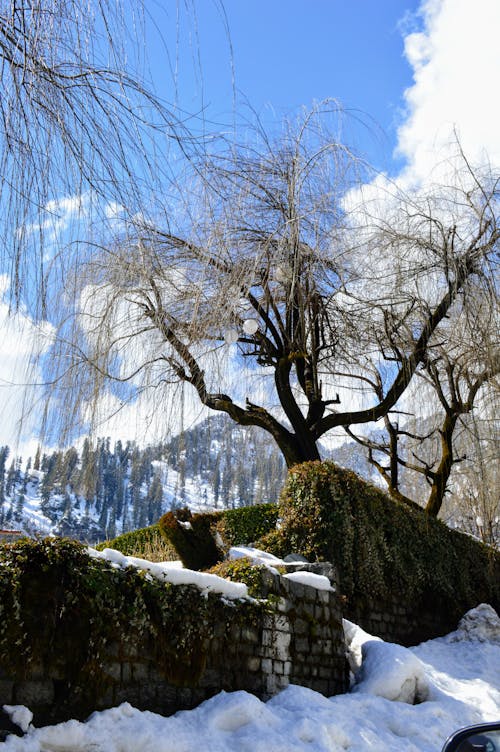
{"type": "Point", "coordinates": [441, 475]}
{"type": "Point", "coordinates": [297, 451]}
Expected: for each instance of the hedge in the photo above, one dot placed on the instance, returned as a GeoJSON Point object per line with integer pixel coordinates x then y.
{"type": "Point", "coordinates": [202, 539]}
{"type": "Point", "coordinates": [247, 524]}
{"type": "Point", "coordinates": [138, 542]}
{"type": "Point", "coordinates": [381, 547]}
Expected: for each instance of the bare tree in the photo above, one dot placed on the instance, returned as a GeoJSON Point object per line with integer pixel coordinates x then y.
{"type": "Point", "coordinates": [75, 119]}
{"type": "Point", "coordinates": [423, 434]}
{"type": "Point", "coordinates": [430, 445]}
{"type": "Point", "coordinates": [473, 501]}
{"type": "Point", "coordinates": [269, 274]}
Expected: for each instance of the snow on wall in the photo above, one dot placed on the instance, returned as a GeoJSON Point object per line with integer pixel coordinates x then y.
{"type": "Point", "coordinates": [293, 635]}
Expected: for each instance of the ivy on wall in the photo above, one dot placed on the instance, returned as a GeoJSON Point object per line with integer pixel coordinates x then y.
{"type": "Point", "coordinates": [381, 548]}
{"type": "Point", "coordinates": [60, 610]}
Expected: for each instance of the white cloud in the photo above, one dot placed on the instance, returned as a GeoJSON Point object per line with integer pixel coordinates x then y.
{"type": "Point", "coordinates": [456, 62]}
{"type": "Point", "coordinates": [113, 210]}
{"type": "Point", "coordinates": [22, 343]}
{"type": "Point", "coordinates": [60, 214]}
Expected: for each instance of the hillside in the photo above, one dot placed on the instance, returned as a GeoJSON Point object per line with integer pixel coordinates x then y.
{"type": "Point", "coordinates": [103, 490]}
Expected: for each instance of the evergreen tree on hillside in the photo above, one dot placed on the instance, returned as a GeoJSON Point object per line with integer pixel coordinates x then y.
{"type": "Point", "coordinates": [4, 453]}
{"type": "Point", "coordinates": [26, 477]}
{"type": "Point", "coordinates": [87, 480]}
{"type": "Point", "coordinates": [154, 500]}
{"type": "Point", "coordinates": [18, 510]}
{"type": "Point", "coordinates": [11, 479]}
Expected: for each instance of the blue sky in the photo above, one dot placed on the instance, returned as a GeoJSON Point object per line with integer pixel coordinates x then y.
{"type": "Point", "coordinates": [417, 72]}
{"type": "Point", "coordinates": [280, 55]}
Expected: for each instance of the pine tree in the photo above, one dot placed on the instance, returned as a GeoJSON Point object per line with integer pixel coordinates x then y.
{"type": "Point", "coordinates": [4, 453]}
{"type": "Point", "coordinates": [154, 499]}
{"type": "Point", "coordinates": [19, 508]}
{"type": "Point", "coordinates": [24, 487]}
{"type": "Point", "coordinates": [87, 481]}
{"type": "Point", "coordinates": [11, 478]}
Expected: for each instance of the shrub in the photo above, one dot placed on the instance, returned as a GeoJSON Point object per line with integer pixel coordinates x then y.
{"type": "Point", "coordinates": [247, 524]}
{"type": "Point", "coordinates": [201, 543]}
{"type": "Point", "coordinates": [192, 537]}
{"type": "Point", "coordinates": [242, 570]}
{"type": "Point", "coordinates": [147, 543]}
{"type": "Point", "coordinates": [381, 547]}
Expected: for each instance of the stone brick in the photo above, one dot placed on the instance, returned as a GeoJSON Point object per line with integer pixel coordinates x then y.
{"type": "Point", "coordinates": [273, 685]}
{"type": "Point", "coordinates": [253, 683]}
{"type": "Point", "coordinates": [281, 646]}
{"type": "Point", "coordinates": [324, 596]}
{"type": "Point", "coordinates": [281, 622]}
{"type": "Point", "coordinates": [166, 694]}
{"type": "Point", "coordinates": [34, 692]}
{"type": "Point", "coordinates": [267, 665]}
{"type": "Point", "coordinates": [321, 685]}
{"type": "Point", "coordinates": [235, 632]}
{"type": "Point", "coordinates": [253, 663]}
{"type": "Point", "coordinates": [114, 670]}
{"type": "Point", "coordinates": [138, 671]}
{"type": "Point", "coordinates": [6, 692]}
{"type": "Point", "coordinates": [302, 645]}
{"type": "Point", "coordinates": [278, 667]}
{"type": "Point", "coordinates": [285, 605]}
{"type": "Point", "coordinates": [268, 637]}
{"type": "Point", "coordinates": [250, 634]}
{"type": "Point", "coordinates": [220, 630]}
{"type": "Point", "coordinates": [301, 627]}
{"type": "Point", "coordinates": [130, 693]}
{"type": "Point", "coordinates": [298, 590]}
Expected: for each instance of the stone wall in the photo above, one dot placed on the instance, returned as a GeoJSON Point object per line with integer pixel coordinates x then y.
{"type": "Point", "coordinates": [294, 636]}
{"type": "Point", "coordinates": [394, 620]}
{"type": "Point", "coordinates": [405, 575]}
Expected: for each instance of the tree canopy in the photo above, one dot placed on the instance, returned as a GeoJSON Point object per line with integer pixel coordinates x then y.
{"type": "Point", "coordinates": [277, 279]}
{"type": "Point", "coordinates": [286, 297]}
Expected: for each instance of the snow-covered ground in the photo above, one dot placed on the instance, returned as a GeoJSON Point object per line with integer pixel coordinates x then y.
{"type": "Point", "coordinates": [401, 699]}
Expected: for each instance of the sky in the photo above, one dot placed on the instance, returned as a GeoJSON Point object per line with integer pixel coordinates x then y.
{"type": "Point", "coordinates": [281, 56]}
{"type": "Point", "coordinates": [409, 74]}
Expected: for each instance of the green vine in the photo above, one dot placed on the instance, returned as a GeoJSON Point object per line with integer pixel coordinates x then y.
{"type": "Point", "coordinates": [381, 547]}
{"type": "Point", "coordinates": [87, 605]}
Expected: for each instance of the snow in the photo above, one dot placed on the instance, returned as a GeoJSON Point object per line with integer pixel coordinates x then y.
{"type": "Point", "coordinates": [256, 555]}
{"type": "Point", "coordinates": [391, 671]}
{"type": "Point", "coordinates": [355, 638]}
{"type": "Point", "coordinates": [171, 572]}
{"type": "Point", "coordinates": [460, 674]}
{"type": "Point", "coordinates": [19, 715]}
{"type": "Point", "coordinates": [482, 624]}
{"type": "Point", "coordinates": [318, 581]}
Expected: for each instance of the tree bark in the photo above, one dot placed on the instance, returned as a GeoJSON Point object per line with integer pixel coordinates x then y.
{"type": "Point", "coordinates": [442, 474]}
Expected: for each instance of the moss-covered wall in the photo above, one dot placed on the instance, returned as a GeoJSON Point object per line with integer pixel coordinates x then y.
{"type": "Point", "coordinates": [404, 575]}
{"type": "Point", "coordinates": [77, 635]}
